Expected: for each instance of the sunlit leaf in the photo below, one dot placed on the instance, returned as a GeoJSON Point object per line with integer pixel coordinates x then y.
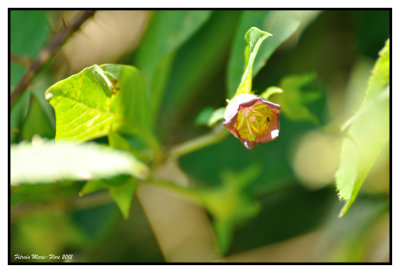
{"type": "Point", "coordinates": [254, 37]}
{"type": "Point", "coordinates": [281, 24]}
{"type": "Point", "coordinates": [271, 91]}
{"type": "Point", "coordinates": [367, 133]}
{"type": "Point", "coordinates": [117, 141]}
{"type": "Point", "coordinates": [89, 103]}
{"type": "Point", "coordinates": [48, 162]}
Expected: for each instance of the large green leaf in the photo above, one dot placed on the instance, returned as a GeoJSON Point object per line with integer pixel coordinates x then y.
{"type": "Point", "coordinates": [281, 24]}
{"type": "Point", "coordinates": [167, 31]}
{"type": "Point", "coordinates": [367, 133]}
{"type": "Point", "coordinates": [89, 103]}
{"type": "Point", "coordinates": [47, 162]}
{"type": "Point", "coordinates": [192, 76]}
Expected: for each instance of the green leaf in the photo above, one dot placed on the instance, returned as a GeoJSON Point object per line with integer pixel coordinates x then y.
{"type": "Point", "coordinates": [167, 31]}
{"type": "Point", "coordinates": [282, 24]}
{"type": "Point", "coordinates": [292, 103]}
{"type": "Point", "coordinates": [121, 188]}
{"type": "Point", "coordinates": [29, 30]}
{"type": "Point", "coordinates": [208, 116]}
{"type": "Point", "coordinates": [254, 37]}
{"type": "Point", "coordinates": [223, 231]}
{"type": "Point", "coordinates": [36, 122]}
{"type": "Point", "coordinates": [230, 204]}
{"type": "Point", "coordinates": [216, 116]}
{"type": "Point", "coordinates": [367, 133]}
{"type": "Point", "coordinates": [117, 141]}
{"type": "Point", "coordinates": [47, 162]}
{"type": "Point", "coordinates": [123, 194]}
{"type": "Point", "coordinates": [192, 75]}
{"type": "Point", "coordinates": [272, 90]}
{"type": "Point", "coordinates": [92, 186]}
{"type": "Point", "coordinates": [17, 115]}
{"type": "Point", "coordinates": [259, 19]}
{"type": "Point", "coordinates": [380, 74]}
{"type": "Point", "coordinates": [89, 103]}
{"type": "Point", "coordinates": [203, 116]}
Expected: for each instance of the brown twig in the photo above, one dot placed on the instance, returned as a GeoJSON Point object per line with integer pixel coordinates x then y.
{"type": "Point", "coordinates": [24, 61]}
{"type": "Point", "coordinates": [46, 54]}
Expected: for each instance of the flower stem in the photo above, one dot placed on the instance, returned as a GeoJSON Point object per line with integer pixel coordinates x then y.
{"type": "Point", "coordinates": [218, 134]}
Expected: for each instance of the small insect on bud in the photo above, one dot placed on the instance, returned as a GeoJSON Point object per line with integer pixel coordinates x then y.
{"type": "Point", "coordinates": [252, 119]}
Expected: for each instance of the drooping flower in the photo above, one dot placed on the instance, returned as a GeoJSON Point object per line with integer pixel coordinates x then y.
{"type": "Point", "coordinates": [252, 119]}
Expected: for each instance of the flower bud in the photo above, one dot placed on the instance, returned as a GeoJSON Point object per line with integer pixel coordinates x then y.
{"type": "Point", "coordinates": [252, 119]}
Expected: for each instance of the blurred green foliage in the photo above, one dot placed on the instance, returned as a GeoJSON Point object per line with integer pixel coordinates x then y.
{"type": "Point", "coordinates": [188, 63]}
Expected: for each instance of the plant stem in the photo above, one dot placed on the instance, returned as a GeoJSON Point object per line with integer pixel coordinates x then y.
{"type": "Point", "coordinates": [46, 54]}
{"type": "Point", "coordinates": [218, 134]}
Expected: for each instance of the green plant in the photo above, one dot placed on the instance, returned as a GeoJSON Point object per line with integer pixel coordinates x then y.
{"type": "Point", "coordinates": [109, 121]}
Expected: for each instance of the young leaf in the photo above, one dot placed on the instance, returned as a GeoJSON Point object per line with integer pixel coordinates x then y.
{"type": "Point", "coordinates": [216, 116]}
{"type": "Point", "coordinates": [282, 24]}
{"type": "Point", "coordinates": [121, 188]}
{"type": "Point", "coordinates": [118, 142]}
{"type": "Point", "coordinates": [92, 186]}
{"type": "Point", "coordinates": [223, 231]}
{"type": "Point", "coordinates": [272, 90]}
{"type": "Point", "coordinates": [87, 104]}
{"type": "Point", "coordinates": [291, 100]}
{"type": "Point", "coordinates": [203, 116]}
{"type": "Point", "coordinates": [48, 162]}
{"type": "Point", "coordinates": [208, 116]}
{"type": "Point", "coordinates": [123, 194]}
{"type": "Point", "coordinates": [254, 37]}
{"type": "Point", "coordinates": [367, 133]}
{"type": "Point", "coordinates": [229, 204]}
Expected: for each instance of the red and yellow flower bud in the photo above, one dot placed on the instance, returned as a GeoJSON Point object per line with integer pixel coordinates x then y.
{"type": "Point", "coordinates": [252, 119]}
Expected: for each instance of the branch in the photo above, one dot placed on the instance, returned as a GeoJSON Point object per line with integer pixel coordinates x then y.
{"type": "Point", "coordinates": [46, 54]}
